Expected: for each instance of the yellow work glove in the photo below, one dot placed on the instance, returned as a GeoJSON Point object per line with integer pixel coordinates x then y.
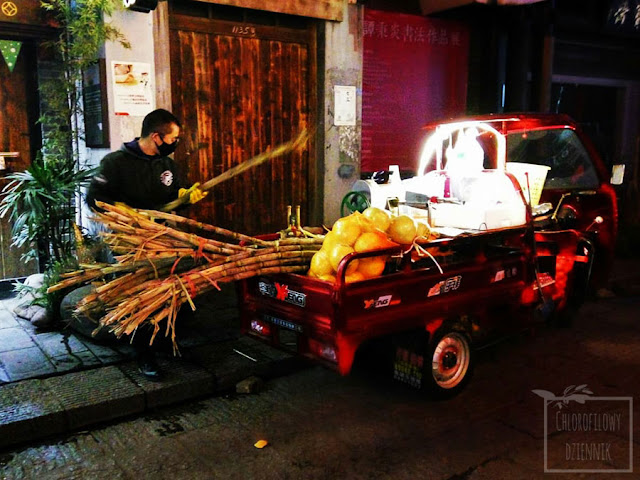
{"type": "Point", "coordinates": [194, 193]}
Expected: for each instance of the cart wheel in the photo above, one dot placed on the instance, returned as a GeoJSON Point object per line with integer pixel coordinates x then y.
{"type": "Point", "coordinates": [451, 364]}
{"type": "Point", "coordinates": [354, 202]}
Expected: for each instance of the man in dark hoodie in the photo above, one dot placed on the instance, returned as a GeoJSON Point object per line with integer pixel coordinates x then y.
{"type": "Point", "coordinates": [142, 175]}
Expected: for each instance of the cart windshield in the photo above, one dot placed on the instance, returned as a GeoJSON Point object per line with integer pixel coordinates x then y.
{"type": "Point", "coordinates": [561, 150]}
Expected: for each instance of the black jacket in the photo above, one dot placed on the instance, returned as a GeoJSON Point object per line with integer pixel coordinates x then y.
{"type": "Point", "coordinates": [131, 177]}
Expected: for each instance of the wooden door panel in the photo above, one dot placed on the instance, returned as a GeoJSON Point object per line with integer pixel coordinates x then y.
{"type": "Point", "coordinates": [14, 137]}
{"type": "Point", "coordinates": [238, 97]}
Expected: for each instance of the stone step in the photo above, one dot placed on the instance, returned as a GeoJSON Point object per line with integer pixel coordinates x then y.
{"type": "Point", "coordinates": [38, 408]}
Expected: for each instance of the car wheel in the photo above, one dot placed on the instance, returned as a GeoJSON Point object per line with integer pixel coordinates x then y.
{"type": "Point", "coordinates": [450, 364]}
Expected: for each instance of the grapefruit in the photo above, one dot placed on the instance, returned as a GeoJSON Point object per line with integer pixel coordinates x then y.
{"type": "Point", "coordinates": [372, 241]}
{"type": "Point", "coordinates": [347, 229]}
{"type": "Point", "coordinates": [320, 264]}
{"type": "Point", "coordinates": [380, 218]}
{"type": "Point", "coordinates": [402, 229]}
{"type": "Point", "coordinates": [328, 278]}
{"type": "Point", "coordinates": [330, 240]}
{"type": "Point", "coordinates": [353, 277]}
{"type": "Point", "coordinates": [371, 267]}
{"type": "Point", "coordinates": [337, 253]}
{"type": "Point", "coordinates": [366, 225]}
{"type": "Point", "coordinates": [422, 229]}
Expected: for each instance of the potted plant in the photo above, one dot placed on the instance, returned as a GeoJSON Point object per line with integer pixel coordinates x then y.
{"type": "Point", "coordinates": [41, 202]}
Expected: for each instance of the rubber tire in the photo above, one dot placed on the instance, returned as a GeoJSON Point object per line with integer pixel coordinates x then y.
{"type": "Point", "coordinates": [458, 343]}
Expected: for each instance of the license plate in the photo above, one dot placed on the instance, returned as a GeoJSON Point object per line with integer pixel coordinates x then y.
{"type": "Point", "coordinates": [283, 323]}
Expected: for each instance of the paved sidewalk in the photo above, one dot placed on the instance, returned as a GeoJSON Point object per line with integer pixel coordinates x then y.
{"type": "Point", "coordinates": [27, 352]}
{"type": "Point", "coordinates": [52, 382]}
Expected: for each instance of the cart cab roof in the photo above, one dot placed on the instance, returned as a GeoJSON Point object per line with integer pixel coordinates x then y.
{"type": "Point", "coordinates": [507, 123]}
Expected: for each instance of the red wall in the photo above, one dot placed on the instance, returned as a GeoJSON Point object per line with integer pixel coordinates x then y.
{"type": "Point", "coordinates": [414, 72]}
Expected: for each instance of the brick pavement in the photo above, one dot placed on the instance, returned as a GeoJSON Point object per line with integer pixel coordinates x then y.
{"type": "Point", "coordinates": [26, 352]}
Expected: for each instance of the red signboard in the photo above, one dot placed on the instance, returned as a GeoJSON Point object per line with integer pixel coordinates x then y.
{"type": "Point", "coordinates": [415, 71]}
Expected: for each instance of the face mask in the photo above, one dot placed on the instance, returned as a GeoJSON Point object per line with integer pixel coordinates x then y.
{"type": "Point", "coordinates": [167, 148]}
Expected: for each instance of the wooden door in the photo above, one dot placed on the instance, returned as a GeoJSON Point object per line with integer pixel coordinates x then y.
{"type": "Point", "coordinates": [17, 89]}
{"type": "Point", "coordinates": [241, 89]}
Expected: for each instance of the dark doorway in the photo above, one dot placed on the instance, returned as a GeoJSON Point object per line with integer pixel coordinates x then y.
{"type": "Point", "coordinates": [18, 107]}
{"type": "Point", "coordinates": [595, 108]}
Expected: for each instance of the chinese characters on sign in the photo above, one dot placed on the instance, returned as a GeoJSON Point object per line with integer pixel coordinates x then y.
{"type": "Point", "coordinates": [624, 16]}
{"type": "Point", "coordinates": [345, 105]}
{"type": "Point", "coordinates": [421, 34]}
{"type": "Point", "coordinates": [132, 88]}
{"type": "Point", "coordinates": [414, 72]}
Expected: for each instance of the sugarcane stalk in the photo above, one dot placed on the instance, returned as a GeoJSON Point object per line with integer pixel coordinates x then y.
{"type": "Point", "coordinates": [189, 238]}
{"type": "Point", "coordinates": [124, 324]}
{"type": "Point", "coordinates": [114, 292]}
{"type": "Point", "coordinates": [206, 227]}
{"type": "Point", "coordinates": [100, 271]}
{"type": "Point", "coordinates": [202, 280]}
{"type": "Point", "coordinates": [281, 149]}
{"type": "Point", "coordinates": [136, 320]}
{"type": "Point", "coordinates": [161, 267]}
{"type": "Point", "coordinates": [70, 282]}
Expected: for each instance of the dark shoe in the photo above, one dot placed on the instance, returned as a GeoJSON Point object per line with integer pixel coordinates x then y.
{"type": "Point", "coordinates": [148, 366]}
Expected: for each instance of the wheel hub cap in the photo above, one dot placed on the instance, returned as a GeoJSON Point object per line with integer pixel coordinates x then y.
{"type": "Point", "coordinates": [449, 360]}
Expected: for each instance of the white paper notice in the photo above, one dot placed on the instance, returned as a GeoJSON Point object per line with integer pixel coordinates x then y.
{"type": "Point", "coordinates": [617, 174]}
{"type": "Point", "coordinates": [345, 105]}
{"type": "Point", "coordinates": [132, 88]}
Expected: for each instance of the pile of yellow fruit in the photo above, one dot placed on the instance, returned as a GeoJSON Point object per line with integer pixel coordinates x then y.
{"type": "Point", "coordinates": [373, 229]}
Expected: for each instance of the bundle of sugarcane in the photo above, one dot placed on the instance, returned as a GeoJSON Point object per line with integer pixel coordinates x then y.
{"type": "Point", "coordinates": [161, 266]}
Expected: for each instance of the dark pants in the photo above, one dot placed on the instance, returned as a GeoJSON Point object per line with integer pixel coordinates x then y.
{"type": "Point", "coordinates": [161, 343]}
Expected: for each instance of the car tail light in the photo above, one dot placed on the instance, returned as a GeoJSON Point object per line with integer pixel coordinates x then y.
{"type": "Point", "coordinates": [324, 350]}
{"type": "Point", "coordinates": [261, 328]}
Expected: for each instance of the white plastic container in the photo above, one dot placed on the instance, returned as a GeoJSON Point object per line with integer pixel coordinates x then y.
{"type": "Point", "coordinates": [490, 201]}
{"type": "Point", "coordinates": [379, 193]}
{"type": "Point", "coordinates": [537, 176]}
{"type": "Point", "coordinates": [471, 216]}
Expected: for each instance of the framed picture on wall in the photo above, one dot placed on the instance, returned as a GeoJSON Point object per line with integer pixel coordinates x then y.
{"type": "Point", "coordinates": [96, 113]}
